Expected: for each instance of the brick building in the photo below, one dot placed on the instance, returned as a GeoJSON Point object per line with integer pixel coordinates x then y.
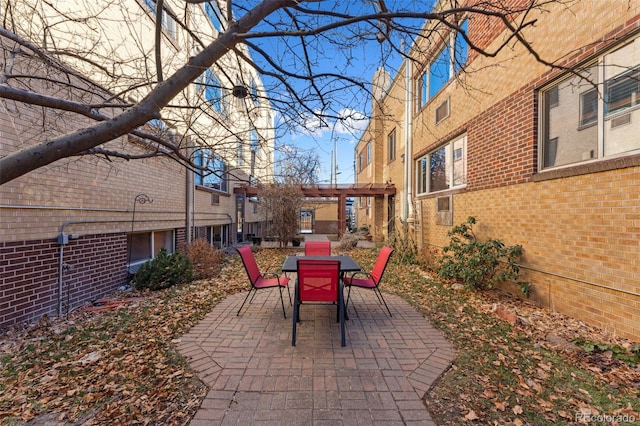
{"type": "Point", "coordinates": [74, 230]}
{"type": "Point", "coordinates": [545, 157]}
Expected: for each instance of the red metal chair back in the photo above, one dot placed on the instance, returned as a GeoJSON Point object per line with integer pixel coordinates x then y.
{"type": "Point", "coordinates": [318, 280]}
{"type": "Point", "coordinates": [250, 264]}
{"type": "Point", "coordinates": [317, 248]}
{"type": "Point", "coordinates": [381, 264]}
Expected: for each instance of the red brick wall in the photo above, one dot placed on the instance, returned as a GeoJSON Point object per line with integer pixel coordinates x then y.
{"type": "Point", "coordinates": [483, 30]}
{"type": "Point", "coordinates": [501, 143]}
{"type": "Point", "coordinates": [29, 277]}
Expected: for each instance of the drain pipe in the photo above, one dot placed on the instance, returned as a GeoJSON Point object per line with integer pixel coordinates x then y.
{"type": "Point", "coordinates": [63, 240]}
{"type": "Point", "coordinates": [408, 124]}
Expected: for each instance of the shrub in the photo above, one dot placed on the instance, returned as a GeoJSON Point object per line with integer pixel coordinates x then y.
{"type": "Point", "coordinates": [480, 264]}
{"type": "Point", "coordinates": [164, 271]}
{"type": "Point", "coordinates": [205, 259]}
{"type": "Point", "coordinates": [348, 241]}
{"type": "Point", "coordinates": [404, 244]}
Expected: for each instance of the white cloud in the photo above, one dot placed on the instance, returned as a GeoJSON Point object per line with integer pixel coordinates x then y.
{"type": "Point", "coordinates": [351, 123]}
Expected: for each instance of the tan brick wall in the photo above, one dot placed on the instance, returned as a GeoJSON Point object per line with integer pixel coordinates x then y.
{"type": "Point", "coordinates": [580, 226]}
{"type": "Point", "coordinates": [580, 237]}
{"type": "Point", "coordinates": [388, 116]}
{"type": "Point", "coordinates": [593, 24]}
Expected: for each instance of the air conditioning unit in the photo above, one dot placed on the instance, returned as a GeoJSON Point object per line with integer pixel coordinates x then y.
{"type": "Point", "coordinates": [442, 111]}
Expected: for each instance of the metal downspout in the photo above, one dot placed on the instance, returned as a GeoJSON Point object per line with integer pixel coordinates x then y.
{"type": "Point", "coordinates": [189, 204]}
{"type": "Point", "coordinates": [408, 123]}
{"type": "Point", "coordinates": [60, 269]}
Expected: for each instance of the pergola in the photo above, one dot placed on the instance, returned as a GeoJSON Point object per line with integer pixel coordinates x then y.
{"type": "Point", "coordinates": [339, 191]}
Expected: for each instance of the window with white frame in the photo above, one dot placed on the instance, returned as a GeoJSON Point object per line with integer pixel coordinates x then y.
{"type": "Point", "coordinates": [450, 59]}
{"type": "Point", "coordinates": [391, 146]}
{"type": "Point", "coordinates": [212, 172]}
{"type": "Point", "coordinates": [240, 153]}
{"type": "Point", "coordinates": [255, 140]}
{"type": "Point", "coordinates": [254, 93]}
{"type": "Point", "coordinates": [144, 246]}
{"type": "Point", "coordinates": [444, 168]}
{"type": "Point", "coordinates": [369, 154]}
{"type": "Point", "coordinates": [217, 236]}
{"type": "Point", "coordinates": [209, 84]}
{"type": "Point", "coordinates": [593, 115]}
{"type": "Point", "coordinates": [168, 23]}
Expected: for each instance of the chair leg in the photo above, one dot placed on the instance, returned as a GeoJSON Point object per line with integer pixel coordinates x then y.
{"type": "Point", "coordinates": [341, 313]}
{"type": "Point", "coordinates": [245, 300]}
{"type": "Point", "coordinates": [379, 294]}
{"type": "Point", "coordinates": [282, 302]}
{"type": "Point", "coordinates": [296, 314]}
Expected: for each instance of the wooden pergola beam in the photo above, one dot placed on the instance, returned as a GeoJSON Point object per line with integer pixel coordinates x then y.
{"type": "Point", "coordinates": [340, 191]}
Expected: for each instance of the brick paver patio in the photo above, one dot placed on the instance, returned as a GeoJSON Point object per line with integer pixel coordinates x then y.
{"type": "Point", "coordinates": [255, 376]}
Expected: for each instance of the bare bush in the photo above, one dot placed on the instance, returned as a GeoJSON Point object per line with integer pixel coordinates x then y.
{"type": "Point", "coordinates": [349, 241]}
{"type": "Point", "coordinates": [205, 258]}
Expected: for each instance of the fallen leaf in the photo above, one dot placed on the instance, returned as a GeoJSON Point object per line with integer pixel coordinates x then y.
{"type": "Point", "coordinates": [471, 415]}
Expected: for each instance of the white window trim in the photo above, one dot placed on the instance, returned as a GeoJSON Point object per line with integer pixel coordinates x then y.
{"type": "Point", "coordinates": [133, 266]}
{"type": "Point", "coordinates": [600, 122]}
{"type": "Point", "coordinates": [451, 143]}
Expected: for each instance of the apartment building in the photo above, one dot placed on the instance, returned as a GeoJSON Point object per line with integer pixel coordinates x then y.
{"type": "Point", "coordinates": [75, 230]}
{"type": "Point", "coordinates": [547, 157]}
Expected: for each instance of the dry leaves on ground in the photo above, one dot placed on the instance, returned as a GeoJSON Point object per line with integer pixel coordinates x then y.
{"type": "Point", "coordinates": [113, 366]}
{"type": "Point", "coordinates": [121, 367]}
{"type": "Point", "coordinates": [518, 366]}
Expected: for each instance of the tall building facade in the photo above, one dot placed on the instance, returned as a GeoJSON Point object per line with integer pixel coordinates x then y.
{"type": "Point", "coordinates": [76, 229]}
{"type": "Point", "coordinates": [547, 157]}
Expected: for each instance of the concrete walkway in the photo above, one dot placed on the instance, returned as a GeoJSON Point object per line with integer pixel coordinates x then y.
{"type": "Point", "coordinates": [255, 376]}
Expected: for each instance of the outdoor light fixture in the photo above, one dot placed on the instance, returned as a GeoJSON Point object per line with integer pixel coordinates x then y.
{"type": "Point", "coordinates": [240, 91]}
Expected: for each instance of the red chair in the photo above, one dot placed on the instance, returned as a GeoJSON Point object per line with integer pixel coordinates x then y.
{"type": "Point", "coordinates": [317, 248]}
{"type": "Point", "coordinates": [258, 280]}
{"type": "Point", "coordinates": [371, 280]}
{"type": "Point", "coordinates": [318, 282]}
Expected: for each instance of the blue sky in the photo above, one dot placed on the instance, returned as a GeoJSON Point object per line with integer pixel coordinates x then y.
{"type": "Point", "coordinates": [343, 52]}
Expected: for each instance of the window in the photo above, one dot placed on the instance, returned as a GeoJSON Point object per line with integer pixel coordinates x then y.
{"type": "Point", "coordinates": [255, 140]}
{"type": "Point", "coordinates": [255, 144]}
{"type": "Point", "coordinates": [360, 162]}
{"type": "Point", "coordinates": [594, 115]}
{"type": "Point", "coordinates": [213, 13]}
{"type": "Point", "coordinates": [450, 59]}
{"type": "Point", "coordinates": [254, 93]}
{"type": "Point", "coordinates": [212, 89]}
{"type": "Point", "coordinates": [214, 172]}
{"type": "Point", "coordinates": [239, 153]}
{"type": "Point", "coordinates": [369, 155]}
{"type": "Point", "coordinates": [168, 23]}
{"type": "Point", "coordinates": [217, 236]}
{"type": "Point", "coordinates": [442, 169]}
{"type": "Point", "coordinates": [589, 107]}
{"type": "Point", "coordinates": [144, 246]}
{"type": "Point", "coordinates": [461, 48]}
{"type": "Point", "coordinates": [391, 146]}
{"type": "Point", "coordinates": [440, 71]}
{"type": "Point", "coordinates": [423, 84]}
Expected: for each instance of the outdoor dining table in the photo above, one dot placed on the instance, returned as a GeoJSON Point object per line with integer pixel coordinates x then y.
{"type": "Point", "coordinates": [347, 264]}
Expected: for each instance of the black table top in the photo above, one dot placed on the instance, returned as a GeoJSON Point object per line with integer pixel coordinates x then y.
{"type": "Point", "coordinates": [347, 264]}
